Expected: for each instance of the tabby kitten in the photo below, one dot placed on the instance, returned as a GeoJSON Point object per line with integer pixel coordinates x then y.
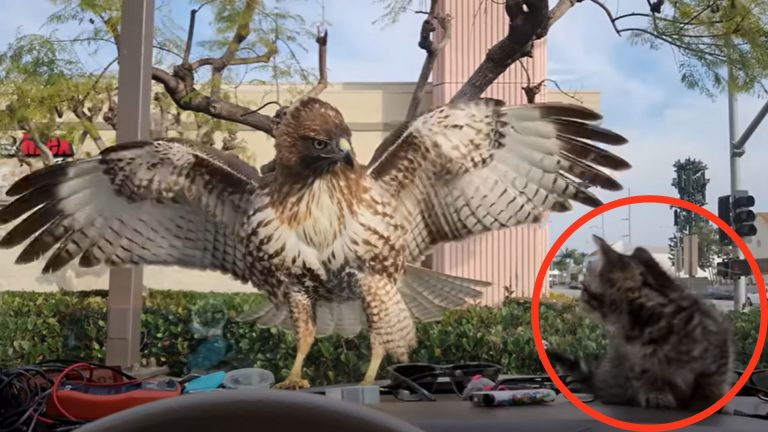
{"type": "Point", "coordinates": [666, 347]}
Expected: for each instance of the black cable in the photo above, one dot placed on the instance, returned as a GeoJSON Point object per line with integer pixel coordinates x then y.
{"type": "Point", "coordinates": [21, 398]}
{"type": "Point", "coordinates": [24, 395]}
{"type": "Point", "coordinates": [67, 362]}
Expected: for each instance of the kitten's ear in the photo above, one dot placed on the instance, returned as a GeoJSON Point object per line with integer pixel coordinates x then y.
{"type": "Point", "coordinates": [651, 266]}
{"type": "Point", "coordinates": [642, 254]}
{"type": "Point", "coordinates": [606, 251]}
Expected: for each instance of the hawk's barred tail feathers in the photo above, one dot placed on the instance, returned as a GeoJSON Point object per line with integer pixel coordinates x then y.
{"type": "Point", "coordinates": [427, 294]}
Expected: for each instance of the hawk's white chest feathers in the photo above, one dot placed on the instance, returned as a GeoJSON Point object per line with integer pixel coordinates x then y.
{"type": "Point", "coordinates": [326, 216]}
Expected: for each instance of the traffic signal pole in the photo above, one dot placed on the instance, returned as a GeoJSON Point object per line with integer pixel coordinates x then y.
{"type": "Point", "coordinates": [740, 283]}
{"type": "Point", "coordinates": [736, 151]}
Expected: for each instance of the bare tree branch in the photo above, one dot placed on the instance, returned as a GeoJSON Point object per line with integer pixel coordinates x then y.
{"type": "Point", "coordinates": [220, 63]}
{"type": "Point", "coordinates": [110, 114]}
{"type": "Point", "coordinates": [24, 161]}
{"type": "Point", "coordinates": [190, 99]}
{"type": "Point", "coordinates": [86, 39]}
{"type": "Point", "coordinates": [608, 12]}
{"type": "Point", "coordinates": [45, 152]}
{"type": "Point", "coordinates": [190, 35]}
{"type": "Point", "coordinates": [112, 42]}
{"type": "Point", "coordinates": [569, 95]}
{"type": "Point", "coordinates": [432, 49]}
{"type": "Point", "coordinates": [322, 82]}
{"type": "Point", "coordinates": [669, 20]}
{"type": "Point", "coordinates": [242, 31]}
{"type": "Point", "coordinates": [679, 46]}
{"type": "Point", "coordinates": [560, 9]}
{"type": "Point", "coordinates": [166, 49]}
{"type": "Point", "coordinates": [528, 20]}
{"type": "Point", "coordinates": [89, 127]}
{"type": "Point", "coordinates": [180, 83]}
{"type": "Point", "coordinates": [322, 60]}
{"type": "Point", "coordinates": [667, 38]}
{"type": "Point", "coordinates": [98, 78]}
{"type": "Point", "coordinates": [531, 90]}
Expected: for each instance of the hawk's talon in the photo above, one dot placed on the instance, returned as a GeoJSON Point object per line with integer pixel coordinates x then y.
{"type": "Point", "coordinates": [292, 384]}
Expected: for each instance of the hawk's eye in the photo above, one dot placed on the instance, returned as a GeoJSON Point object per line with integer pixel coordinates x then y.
{"type": "Point", "coordinates": [319, 144]}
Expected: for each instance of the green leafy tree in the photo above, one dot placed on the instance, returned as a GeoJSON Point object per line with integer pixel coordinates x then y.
{"type": "Point", "coordinates": [34, 84]}
{"type": "Point", "coordinates": [48, 90]}
{"type": "Point", "coordinates": [690, 182]}
{"type": "Point", "coordinates": [710, 249]}
{"type": "Point", "coordinates": [570, 261]}
{"type": "Point", "coordinates": [251, 38]}
{"type": "Point", "coordinates": [560, 264]}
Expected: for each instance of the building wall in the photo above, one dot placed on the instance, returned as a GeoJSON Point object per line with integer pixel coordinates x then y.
{"type": "Point", "coordinates": [660, 254]}
{"type": "Point", "coordinates": [758, 244]}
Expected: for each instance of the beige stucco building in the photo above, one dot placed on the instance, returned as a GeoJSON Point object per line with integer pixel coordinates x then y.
{"type": "Point", "coordinates": [758, 244]}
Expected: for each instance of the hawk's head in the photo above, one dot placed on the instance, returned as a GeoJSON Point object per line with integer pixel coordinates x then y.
{"type": "Point", "coordinates": [313, 138]}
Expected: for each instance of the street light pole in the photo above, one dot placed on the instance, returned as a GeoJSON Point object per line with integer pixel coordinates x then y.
{"type": "Point", "coordinates": [602, 225]}
{"type": "Point", "coordinates": [629, 221]}
{"type": "Point", "coordinates": [740, 283]}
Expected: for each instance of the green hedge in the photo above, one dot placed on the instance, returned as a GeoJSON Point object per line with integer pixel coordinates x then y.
{"type": "Point", "coordinates": [177, 324]}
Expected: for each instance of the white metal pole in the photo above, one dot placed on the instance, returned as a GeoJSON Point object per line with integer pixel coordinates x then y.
{"type": "Point", "coordinates": [740, 284]}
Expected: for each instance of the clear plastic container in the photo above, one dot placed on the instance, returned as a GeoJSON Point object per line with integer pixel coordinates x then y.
{"type": "Point", "coordinates": [253, 378]}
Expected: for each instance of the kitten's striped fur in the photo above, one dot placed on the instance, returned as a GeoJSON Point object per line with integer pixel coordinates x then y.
{"type": "Point", "coordinates": [667, 348]}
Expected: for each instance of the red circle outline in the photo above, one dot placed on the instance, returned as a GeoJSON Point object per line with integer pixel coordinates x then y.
{"type": "Point", "coordinates": [542, 274]}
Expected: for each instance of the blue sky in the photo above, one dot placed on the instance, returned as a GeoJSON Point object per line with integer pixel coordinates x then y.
{"type": "Point", "coordinates": [641, 97]}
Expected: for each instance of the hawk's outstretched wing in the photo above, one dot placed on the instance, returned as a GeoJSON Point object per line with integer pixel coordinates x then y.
{"type": "Point", "coordinates": [478, 166]}
{"type": "Point", "coordinates": [171, 202]}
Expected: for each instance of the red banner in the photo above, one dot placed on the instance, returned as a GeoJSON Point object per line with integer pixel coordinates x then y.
{"type": "Point", "coordinates": [59, 147]}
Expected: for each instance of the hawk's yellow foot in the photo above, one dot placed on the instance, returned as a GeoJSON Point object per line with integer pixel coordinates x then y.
{"type": "Point", "coordinates": [292, 384]}
{"type": "Point", "coordinates": [377, 354]}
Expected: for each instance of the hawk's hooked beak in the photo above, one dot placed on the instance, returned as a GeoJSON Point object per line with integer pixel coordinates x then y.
{"type": "Point", "coordinates": [345, 155]}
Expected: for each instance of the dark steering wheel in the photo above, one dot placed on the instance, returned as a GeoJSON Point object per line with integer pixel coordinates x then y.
{"type": "Point", "coordinates": [241, 410]}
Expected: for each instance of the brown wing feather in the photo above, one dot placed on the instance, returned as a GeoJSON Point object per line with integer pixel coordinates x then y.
{"type": "Point", "coordinates": [478, 166]}
{"type": "Point", "coordinates": [171, 201]}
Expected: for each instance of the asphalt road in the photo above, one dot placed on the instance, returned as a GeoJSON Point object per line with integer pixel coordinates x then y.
{"type": "Point", "coordinates": [721, 297]}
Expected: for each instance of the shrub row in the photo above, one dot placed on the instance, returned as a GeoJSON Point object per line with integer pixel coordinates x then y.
{"type": "Point", "coordinates": [196, 331]}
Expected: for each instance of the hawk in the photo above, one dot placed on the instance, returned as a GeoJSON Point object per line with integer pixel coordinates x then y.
{"type": "Point", "coordinates": [330, 241]}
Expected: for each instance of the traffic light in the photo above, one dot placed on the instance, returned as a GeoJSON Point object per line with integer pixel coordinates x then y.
{"type": "Point", "coordinates": [724, 213]}
{"type": "Point", "coordinates": [723, 269]}
{"type": "Point", "coordinates": [743, 217]}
